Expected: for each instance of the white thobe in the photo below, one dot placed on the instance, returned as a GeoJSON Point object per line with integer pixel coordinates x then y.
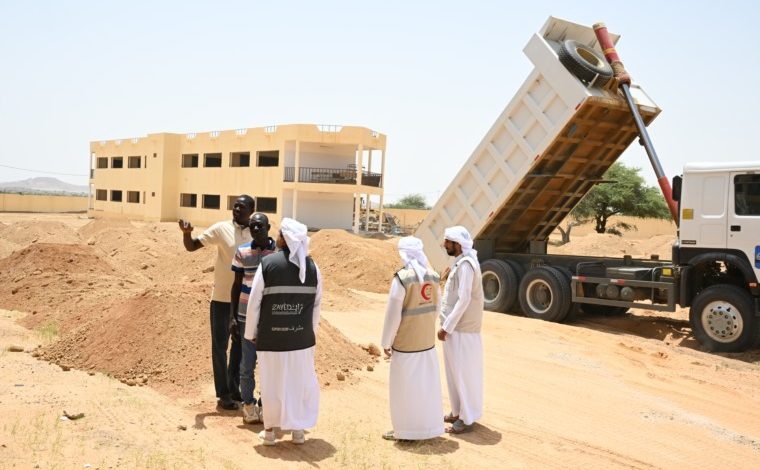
{"type": "Point", "coordinates": [289, 386]}
{"type": "Point", "coordinates": [415, 386]}
{"type": "Point", "coordinates": [463, 355]}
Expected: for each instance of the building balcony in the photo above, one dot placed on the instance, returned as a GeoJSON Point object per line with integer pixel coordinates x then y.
{"type": "Point", "coordinates": [331, 176]}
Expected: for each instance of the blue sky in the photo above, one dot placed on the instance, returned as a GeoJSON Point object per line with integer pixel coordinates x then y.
{"type": "Point", "coordinates": [432, 76]}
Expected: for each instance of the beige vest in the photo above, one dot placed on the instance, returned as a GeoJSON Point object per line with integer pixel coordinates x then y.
{"type": "Point", "coordinates": [472, 318]}
{"type": "Point", "coordinates": [417, 329]}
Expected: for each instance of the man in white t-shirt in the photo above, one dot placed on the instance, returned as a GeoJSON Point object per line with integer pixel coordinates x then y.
{"type": "Point", "coordinates": [226, 236]}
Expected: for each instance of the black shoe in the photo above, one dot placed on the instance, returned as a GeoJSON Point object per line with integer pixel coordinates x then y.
{"type": "Point", "coordinates": [227, 404]}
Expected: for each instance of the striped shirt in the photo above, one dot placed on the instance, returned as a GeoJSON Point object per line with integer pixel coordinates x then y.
{"type": "Point", "coordinates": [247, 260]}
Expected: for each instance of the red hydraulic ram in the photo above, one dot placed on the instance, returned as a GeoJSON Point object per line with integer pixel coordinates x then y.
{"type": "Point", "coordinates": [624, 80]}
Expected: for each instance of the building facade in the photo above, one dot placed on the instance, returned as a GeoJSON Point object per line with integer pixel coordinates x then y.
{"type": "Point", "coordinates": [317, 174]}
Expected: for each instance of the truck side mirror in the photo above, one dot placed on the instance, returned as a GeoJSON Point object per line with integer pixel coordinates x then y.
{"type": "Point", "coordinates": [677, 180]}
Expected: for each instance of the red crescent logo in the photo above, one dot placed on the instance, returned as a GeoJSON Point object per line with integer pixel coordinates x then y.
{"type": "Point", "coordinates": [427, 291]}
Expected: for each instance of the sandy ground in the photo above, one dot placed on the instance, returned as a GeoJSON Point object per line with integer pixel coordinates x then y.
{"type": "Point", "coordinates": [603, 392]}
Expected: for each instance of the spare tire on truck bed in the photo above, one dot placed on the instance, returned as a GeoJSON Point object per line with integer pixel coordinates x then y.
{"type": "Point", "coordinates": [584, 62]}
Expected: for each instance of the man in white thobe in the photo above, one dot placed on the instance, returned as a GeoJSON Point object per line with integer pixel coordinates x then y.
{"type": "Point", "coordinates": [461, 320]}
{"type": "Point", "coordinates": [283, 314]}
{"type": "Point", "coordinates": [409, 340]}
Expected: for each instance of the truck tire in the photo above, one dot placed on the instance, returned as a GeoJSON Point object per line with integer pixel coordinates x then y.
{"type": "Point", "coordinates": [545, 294]}
{"type": "Point", "coordinates": [584, 62]}
{"type": "Point", "coordinates": [723, 318]}
{"type": "Point", "coordinates": [500, 284]}
{"type": "Point", "coordinates": [519, 272]}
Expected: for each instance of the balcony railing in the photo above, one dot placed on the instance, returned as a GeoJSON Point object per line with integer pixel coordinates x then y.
{"type": "Point", "coordinates": [332, 176]}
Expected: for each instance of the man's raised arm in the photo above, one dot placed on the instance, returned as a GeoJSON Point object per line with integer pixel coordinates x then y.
{"type": "Point", "coordinates": [191, 244]}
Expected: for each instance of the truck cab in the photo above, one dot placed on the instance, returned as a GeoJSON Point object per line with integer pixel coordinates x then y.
{"type": "Point", "coordinates": [718, 252]}
{"type": "Point", "coordinates": [720, 212]}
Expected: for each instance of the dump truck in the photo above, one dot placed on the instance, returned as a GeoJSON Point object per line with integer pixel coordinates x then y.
{"type": "Point", "coordinates": [565, 126]}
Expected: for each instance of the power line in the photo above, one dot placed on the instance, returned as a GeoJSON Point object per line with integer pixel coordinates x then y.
{"type": "Point", "coordinates": [40, 171]}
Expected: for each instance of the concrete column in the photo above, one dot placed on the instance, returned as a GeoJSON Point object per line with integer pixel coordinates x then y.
{"type": "Point", "coordinates": [359, 163]}
{"type": "Point", "coordinates": [380, 216]}
{"type": "Point", "coordinates": [295, 204]}
{"type": "Point", "coordinates": [366, 214]}
{"type": "Point", "coordinates": [369, 160]}
{"type": "Point", "coordinates": [297, 168]}
{"type": "Point", "coordinates": [357, 208]}
{"type": "Point", "coordinates": [382, 169]}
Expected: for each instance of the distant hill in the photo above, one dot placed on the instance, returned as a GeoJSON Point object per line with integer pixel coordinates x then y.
{"type": "Point", "coordinates": [43, 185]}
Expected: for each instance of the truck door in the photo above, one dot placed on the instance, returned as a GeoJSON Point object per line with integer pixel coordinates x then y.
{"type": "Point", "coordinates": [704, 208]}
{"type": "Point", "coordinates": [744, 216]}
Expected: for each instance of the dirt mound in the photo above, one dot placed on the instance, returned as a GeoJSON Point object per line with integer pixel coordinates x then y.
{"type": "Point", "coordinates": [152, 253]}
{"type": "Point", "coordinates": [350, 261]}
{"type": "Point", "coordinates": [6, 248]}
{"type": "Point", "coordinates": [160, 336]}
{"type": "Point", "coordinates": [97, 226]}
{"type": "Point", "coordinates": [23, 233]}
{"type": "Point", "coordinates": [605, 244]}
{"type": "Point", "coordinates": [127, 299]}
{"type": "Point", "coordinates": [61, 283]}
{"type": "Point", "coordinates": [53, 258]}
{"type": "Point", "coordinates": [336, 353]}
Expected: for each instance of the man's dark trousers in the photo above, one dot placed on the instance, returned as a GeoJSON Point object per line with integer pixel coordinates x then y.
{"type": "Point", "coordinates": [226, 375]}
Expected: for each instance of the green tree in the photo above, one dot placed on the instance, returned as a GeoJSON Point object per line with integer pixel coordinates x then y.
{"type": "Point", "coordinates": [624, 194]}
{"type": "Point", "coordinates": [410, 201]}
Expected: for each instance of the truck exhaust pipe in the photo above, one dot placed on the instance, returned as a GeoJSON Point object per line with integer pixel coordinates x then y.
{"type": "Point", "coordinates": [624, 81]}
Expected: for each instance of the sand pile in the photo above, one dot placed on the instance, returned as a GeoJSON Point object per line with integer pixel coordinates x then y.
{"type": "Point", "coordinates": [20, 234]}
{"type": "Point", "coordinates": [605, 244]}
{"type": "Point", "coordinates": [128, 300]}
{"type": "Point", "coordinates": [350, 261]}
{"type": "Point", "coordinates": [152, 253]}
{"type": "Point", "coordinates": [336, 353]}
{"type": "Point", "coordinates": [61, 283]}
{"type": "Point", "coordinates": [161, 337]}
{"type": "Point", "coordinates": [43, 231]}
{"type": "Point", "coordinates": [6, 248]}
{"type": "Point", "coordinates": [97, 226]}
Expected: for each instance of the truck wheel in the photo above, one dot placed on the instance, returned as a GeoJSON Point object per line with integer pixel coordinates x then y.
{"type": "Point", "coordinates": [584, 62]}
{"type": "Point", "coordinates": [722, 318]}
{"type": "Point", "coordinates": [519, 272]}
{"type": "Point", "coordinates": [500, 284]}
{"type": "Point", "coordinates": [545, 294]}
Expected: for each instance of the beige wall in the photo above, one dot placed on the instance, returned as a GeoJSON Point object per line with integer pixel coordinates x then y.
{"type": "Point", "coordinates": [40, 203]}
{"type": "Point", "coordinates": [166, 178]}
{"type": "Point", "coordinates": [409, 217]}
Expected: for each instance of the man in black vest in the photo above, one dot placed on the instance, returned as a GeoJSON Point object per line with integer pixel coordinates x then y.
{"type": "Point", "coordinates": [283, 314]}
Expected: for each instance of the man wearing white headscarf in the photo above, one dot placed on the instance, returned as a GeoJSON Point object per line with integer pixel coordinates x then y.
{"type": "Point", "coordinates": [283, 315]}
{"type": "Point", "coordinates": [461, 320]}
{"type": "Point", "coordinates": [409, 340]}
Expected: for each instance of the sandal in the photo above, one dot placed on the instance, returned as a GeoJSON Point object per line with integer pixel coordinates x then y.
{"type": "Point", "coordinates": [459, 427]}
{"type": "Point", "coordinates": [450, 418]}
{"type": "Point", "coordinates": [388, 436]}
